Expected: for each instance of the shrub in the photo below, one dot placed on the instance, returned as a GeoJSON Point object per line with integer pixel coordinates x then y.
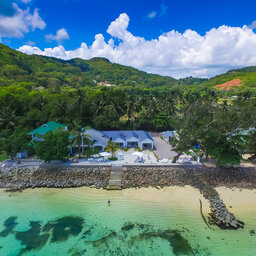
{"type": "Point", "coordinates": [113, 158]}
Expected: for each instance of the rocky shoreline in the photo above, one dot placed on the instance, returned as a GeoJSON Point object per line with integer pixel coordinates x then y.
{"type": "Point", "coordinates": [14, 180]}
{"type": "Point", "coordinates": [202, 178]}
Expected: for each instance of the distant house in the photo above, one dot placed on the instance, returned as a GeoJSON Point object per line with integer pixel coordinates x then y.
{"type": "Point", "coordinates": [38, 133]}
{"type": "Point", "coordinates": [105, 83]}
{"type": "Point", "coordinates": [130, 139]}
{"type": "Point", "coordinates": [168, 136]}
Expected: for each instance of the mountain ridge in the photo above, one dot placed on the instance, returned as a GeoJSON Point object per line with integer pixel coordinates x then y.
{"type": "Point", "coordinates": [43, 71]}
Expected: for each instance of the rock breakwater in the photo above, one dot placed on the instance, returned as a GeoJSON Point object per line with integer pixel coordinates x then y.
{"type": "Point", "coordinates": [160, 177]}
{"type": "Point", "coordinates": [54, 177]}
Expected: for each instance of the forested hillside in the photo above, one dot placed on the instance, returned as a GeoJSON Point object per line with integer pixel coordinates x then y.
{"type": "Point", "coordinates": [43, 72]}
{"type": "Point", "coordinates": [246, 75]}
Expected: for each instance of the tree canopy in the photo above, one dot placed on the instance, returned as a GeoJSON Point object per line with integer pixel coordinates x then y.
{"type": "Point", "coordinates": [54, 146]}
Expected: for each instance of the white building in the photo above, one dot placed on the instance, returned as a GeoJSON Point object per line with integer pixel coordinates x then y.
{"type": "Point", "coordinates": [130, 139]}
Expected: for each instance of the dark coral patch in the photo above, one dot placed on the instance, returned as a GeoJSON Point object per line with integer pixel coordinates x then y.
{"type": "Point", "coordinates": [128, 227]}
{"type": "Point", "coordinates": [179, 244]}
{"type": "Point", "coordinates": [63, 228]}
{"type": "Point", "coordinates": [32, 238]}
{"type": "Point", "coordinates": [9, 224]}
{"type": "Point", "coordinates": [103, 240]}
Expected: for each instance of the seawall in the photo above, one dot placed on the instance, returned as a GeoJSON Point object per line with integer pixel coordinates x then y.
{"type": "Point", "coordinates": [205, 179]}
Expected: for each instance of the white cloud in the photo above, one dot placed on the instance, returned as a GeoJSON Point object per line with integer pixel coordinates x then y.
{"type": "Point", "coordinates": [21, 22]}
{"type": "Point", "coordinates": [253, 25]}
{"type": "Point", "coordinates": [26, 1]}
{"type": "Point", "coordinates": [172, 53]}
{"type": "Point", "coordinates": [118, 28]}
{"type": "Point", "coordinates": [30, 43]}
{"type": "Point", "coordinates": [60, 36]}
{"type": "Point", "coordinates": [152, 14]}
{"type": "Point", "coordinates": [164, 8]}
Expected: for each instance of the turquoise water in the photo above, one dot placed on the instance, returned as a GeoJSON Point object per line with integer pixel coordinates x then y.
{"type": "Point", "coordinates": [78, 221]}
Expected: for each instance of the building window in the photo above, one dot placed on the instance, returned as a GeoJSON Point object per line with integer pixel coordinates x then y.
{"type": "Point", "coordinates": [133, 144]}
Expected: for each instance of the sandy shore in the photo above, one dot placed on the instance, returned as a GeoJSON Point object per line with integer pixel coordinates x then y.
{"type": "Point", "coordinates": [241, 200]}
{"type": "Point", "coordinates": [187, 196]}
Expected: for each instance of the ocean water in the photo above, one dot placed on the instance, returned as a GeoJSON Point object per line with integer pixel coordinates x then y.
{"type": "Point", "coordinates": [79, 221]}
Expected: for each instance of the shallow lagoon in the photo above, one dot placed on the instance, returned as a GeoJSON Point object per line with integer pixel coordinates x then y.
{"type": "Point", "coordinates": [78, 221]}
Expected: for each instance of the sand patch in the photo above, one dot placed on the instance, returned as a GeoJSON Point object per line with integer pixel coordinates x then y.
{"type": "Point", "coordinates": [241, 200]}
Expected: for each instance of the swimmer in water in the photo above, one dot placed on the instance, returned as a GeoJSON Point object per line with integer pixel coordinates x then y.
{"type": "Point", "coordinates": [108, 202]}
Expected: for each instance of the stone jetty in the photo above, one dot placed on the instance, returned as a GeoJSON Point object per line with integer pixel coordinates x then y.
{"type": "Point", "coordinates": [160, 177]}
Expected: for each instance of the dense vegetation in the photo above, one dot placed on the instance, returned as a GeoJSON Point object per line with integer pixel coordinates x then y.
{"type": "Point", "coordinates": [36, 89]}
{"type": "Point", "coordinates": [224, 132]}
{"type": "Point", "coordinates": [54, 146]}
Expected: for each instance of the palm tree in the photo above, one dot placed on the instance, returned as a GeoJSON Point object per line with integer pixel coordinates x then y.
{"type": "Point", "coordinates": [77, 131]}
{"type": "Point", "coordinates": [80, 101]}
{"type": "Point", "coordinates": [60, 107]}
{"type": "Point", "coordinates": [151, 107]}
{"type": "Point", "coordinates": [114, 106]}
{"type": "Point", "coordinates": [39, 101]}
{"type": "Point", "coordinates": [112, 147]}
{"type": "Point", "coordinates": [7, 117]}
{"type": "Point", "coordinates": [166, 104]}
{"type": "Point", "coordinates": [98, 105]}
{"type": "Point", "coordinates": [131, 105]}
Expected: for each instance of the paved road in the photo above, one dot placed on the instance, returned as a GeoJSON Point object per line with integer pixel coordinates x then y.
{"type": "Point", "coordinates": [163, 149]}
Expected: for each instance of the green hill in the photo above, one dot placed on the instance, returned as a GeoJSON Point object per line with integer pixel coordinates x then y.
{"type": "Point", "coordinates": [40, 71]}
{"type": "Point", "coordinates": [246, 75]}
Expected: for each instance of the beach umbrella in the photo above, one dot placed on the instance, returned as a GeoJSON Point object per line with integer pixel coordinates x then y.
{"type": "Point", "coordinates": [137, 153]}
{"type": "Point", "coordinates": [104, 154]}
{"type": "Point", "coordinates": [185, 156]}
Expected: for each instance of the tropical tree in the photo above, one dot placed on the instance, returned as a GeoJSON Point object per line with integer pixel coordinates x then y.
{"type": "Point", "coordinates": [80, 101]}
{"type": "Point", "coordinates": [251, 145]}
{"type": "Point", "coordinates": [131, 104]}
{"type": "Point", "coordinates": [217, 129]}
{"type": "Point", "coordinates": [112, 147]}
{"type": "Point", "coordinates": [166, 104]}
{"type": "Point", "coordinates": [16, 142]}
{"type": "Point", "coordinates": [77, 136]}
{"type": "Point", "coordinates": [151, 107]}
{"type": "Point", "coordinates": [60, 107]}
{"type": "Point", "coordinates": [54, 146]}
{"type": "Point", "coordinates": [97, 105]}
{"type": "Point", "coordinates": [7, 117]}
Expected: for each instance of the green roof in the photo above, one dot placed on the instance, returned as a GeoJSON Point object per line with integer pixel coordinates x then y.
{"type": "Point", "coordinates": [50, 126]}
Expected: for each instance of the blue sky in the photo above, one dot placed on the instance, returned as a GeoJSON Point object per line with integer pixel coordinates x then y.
{"type": "Point", "coordinates": [35, 24]}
